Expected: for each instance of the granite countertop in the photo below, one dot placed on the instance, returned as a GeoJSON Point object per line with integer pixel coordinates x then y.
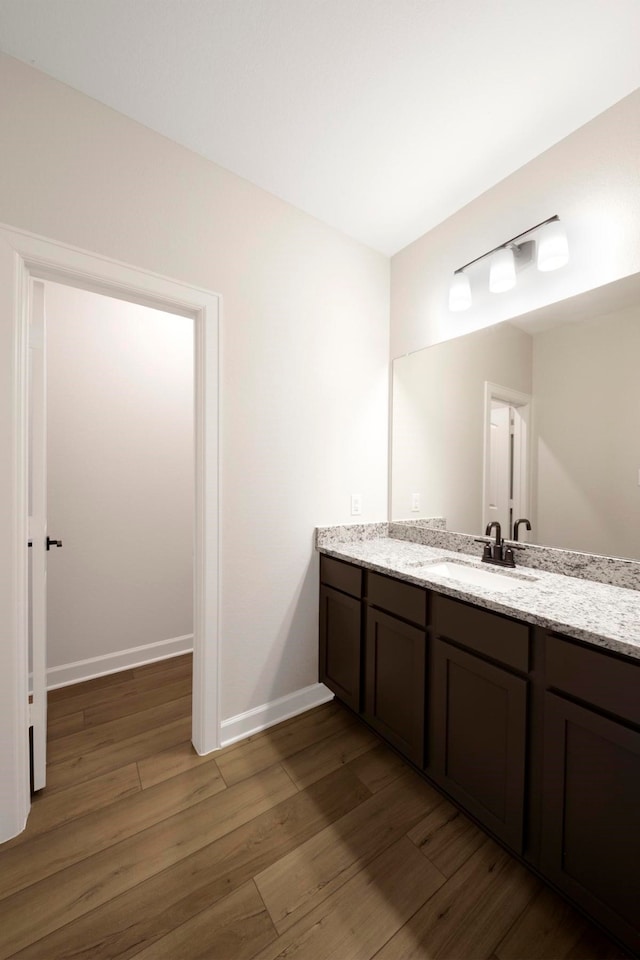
{"type": "Point", "coordinates": [595, 612]}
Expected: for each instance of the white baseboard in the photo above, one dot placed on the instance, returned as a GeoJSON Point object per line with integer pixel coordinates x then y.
{"type": "Point", "coordinates": [253, 721]}
{"type": "Point", "coordinates": [70, 673]}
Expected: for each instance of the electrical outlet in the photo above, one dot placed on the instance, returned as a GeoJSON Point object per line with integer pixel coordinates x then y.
{"type": "Point", "coordinates": [356, 504]}
{"type": "Point", "coordinates": [415, 502]}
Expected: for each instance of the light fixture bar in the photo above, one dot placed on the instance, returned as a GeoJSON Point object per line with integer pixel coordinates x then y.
{"type": "Point", "coordinates": [507, 242]}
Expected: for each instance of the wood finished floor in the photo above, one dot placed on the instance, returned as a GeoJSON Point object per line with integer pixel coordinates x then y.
{"type": "Point", "coordinates": [310, 840]}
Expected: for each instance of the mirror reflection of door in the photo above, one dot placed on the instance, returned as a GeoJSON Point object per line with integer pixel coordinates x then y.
{"type": "Point", "coordinates": [499, 502]}
{"type": "Point", "coordinates": [506, 457]}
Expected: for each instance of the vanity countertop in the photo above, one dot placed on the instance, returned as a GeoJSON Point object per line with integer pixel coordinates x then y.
{"type": "Point", "coordinates": [597, 613]}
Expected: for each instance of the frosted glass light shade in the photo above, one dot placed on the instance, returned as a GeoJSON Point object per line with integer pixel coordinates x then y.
{"type": "Point", "coordinates": [502, 272]}
{"type": "Point", "coordinates": [459, 293]}
{"type": "Point", "coordinates": [552, 246]}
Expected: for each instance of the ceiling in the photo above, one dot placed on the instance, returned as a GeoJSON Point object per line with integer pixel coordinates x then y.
{"type": "Point", "coordinates": [379, 117]}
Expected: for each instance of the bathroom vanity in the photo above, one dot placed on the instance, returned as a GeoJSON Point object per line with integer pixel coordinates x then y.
{"type": "Point", "coordinates": [520, 701]}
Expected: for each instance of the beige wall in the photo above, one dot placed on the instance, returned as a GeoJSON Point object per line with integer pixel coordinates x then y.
{"type": "Point", "coordinates": [591, 180]}
{"type": "Point", "coordinates": [305, 327]}
{"type": "Point", "coordinates": [120, 476]}
{"type": "Point", "coordinates": [438, 422]}
{"type": "Point", "coordinates": [587, 411]}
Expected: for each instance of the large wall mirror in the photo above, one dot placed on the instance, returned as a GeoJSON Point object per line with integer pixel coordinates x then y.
{"type": "Point", "coordinates": [537, 416]}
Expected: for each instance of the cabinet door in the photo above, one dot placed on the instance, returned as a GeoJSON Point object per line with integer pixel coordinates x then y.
{"type": "Point", "coordinates": [340, 643]}
{"type": "Point", "coordinates": [478, 738]}
{"type": "Point", "coordinates": [395, 680]}
{"type": "Point", "coordinates": [591, 814]}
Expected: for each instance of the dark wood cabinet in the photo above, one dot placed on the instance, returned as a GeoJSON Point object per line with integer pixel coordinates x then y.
{"type": "Point", "coordinates": [536, 735]}
{"type": "Point", "coordinates": [478, 741]}
{"type": "Point", "coordinates": [591, 787]}
{"type": "Point", "coordinates": [340, 645]}
{"type": "Point", "coordinates": [478, 738]}
{"type": "Point", "coordinates": [395, 663]}
{"type": "Point", "coordinates": [340, 666]}
{"type": "Point", "coordinates": [400, 599]}
{"type": "Point", "coordinates": [489, 634]}
{"type": "Point", "coordinates": [395, 678]}
{"type": "Point", "coordinates": [341, 576]}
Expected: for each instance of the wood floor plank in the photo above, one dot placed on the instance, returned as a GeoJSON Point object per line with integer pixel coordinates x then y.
{"type": "Point", "coordinates": [485, 925]}
{"type": "Point", "coordinates": [331, 706]}
{"type": "Point", "coordinates": [84, 698]}
{"type": "Point", "coordinates": [182, 663]}
{"type": "Point", "coordinates": [171, 871]}
{"type": "Point", "coordinates": [89, 686]}
{"type": "Point", "coordinates": [594, 945]}
{"type": "Point", "coordinates": [549, 929]}
{"type": "Point", "coordinates": [354, 922]}
{"type": "Point", "coordinates": [66, 845]}
{"type": "Point", "coordinates": [238, 926]}
{"type": "Point", "coordinates": [124, 685]}
{"type": "Point", "coordinates": [65, 725]}
{"type": "Point", "coordinates": [470, 913]}
{"type": "Point", "coordinates": [140, 915]}
{"type": "Point", "coordinates": [169, 763]}
{"type": "Point", "coordinates": [126, 706]}
{"type": "Point", "coordinates": [281, 741]}
{"type": "Point", "coordinates": [87, 766]}
{"type": "Point", "coordinates": [378, 767]}
{"type": "Point", "coordinates": [36, 911]}
{"type": "Point", "coordinates": [113, 732]}
{"type": "Point", "coordinates": [314, 870]}
{"type": "Point", "coordinates": [447, 837]}
{"type": "Point", "coordinates": [51, 810]}
{"type": "Point", "coordinates": [321, 758]}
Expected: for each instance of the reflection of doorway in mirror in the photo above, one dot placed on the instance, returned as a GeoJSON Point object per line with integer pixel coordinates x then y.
{"type": "Point", "coordinates": [499, 500]}
{"type": "Point", "coordinates": [506, 457]}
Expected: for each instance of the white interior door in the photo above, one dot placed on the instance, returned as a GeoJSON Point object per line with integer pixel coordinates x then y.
{"type": "Point", "coordinates": [38, 530]}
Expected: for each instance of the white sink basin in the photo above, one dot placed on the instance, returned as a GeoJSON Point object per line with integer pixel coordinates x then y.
{"type": "Point", "coordinates": [478, 576]}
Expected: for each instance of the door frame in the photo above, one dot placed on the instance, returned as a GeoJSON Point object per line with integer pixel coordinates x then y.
{"type": "Point", "coordinates": [24, 256]}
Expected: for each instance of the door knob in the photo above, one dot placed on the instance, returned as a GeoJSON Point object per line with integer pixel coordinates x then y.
{"type": "Point", "coordinates": [53, 543]}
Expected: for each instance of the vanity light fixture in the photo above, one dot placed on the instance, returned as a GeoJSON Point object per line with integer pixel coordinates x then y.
{"type": "Point", "coordinates": [552, 246]}
{"type": "Point", "coordinates": [459, 292]}
{"type": "Point", "coordinates": [502, 270]}
{"type": "Point", "coordinates": [552, 252]}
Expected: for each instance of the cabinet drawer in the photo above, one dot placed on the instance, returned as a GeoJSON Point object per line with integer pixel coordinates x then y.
{"type": "Point", "coordinates": [497, 637]}
{"type": "Point", "coordinates": [402, 599]}
{"type": "Point", "coordinates": [599, 678]}
{"type": "Point", "coordinates": [343, 576]}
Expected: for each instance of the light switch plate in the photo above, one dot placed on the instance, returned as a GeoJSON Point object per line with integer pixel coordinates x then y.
{"type": "Point", "coordinates": [356, 504]}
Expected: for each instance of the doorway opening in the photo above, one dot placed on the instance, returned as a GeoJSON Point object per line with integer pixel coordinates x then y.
{"type": "Point", "coordinates": [117, 470]}
{"type": "Point", "coordinates": [24, 259]}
